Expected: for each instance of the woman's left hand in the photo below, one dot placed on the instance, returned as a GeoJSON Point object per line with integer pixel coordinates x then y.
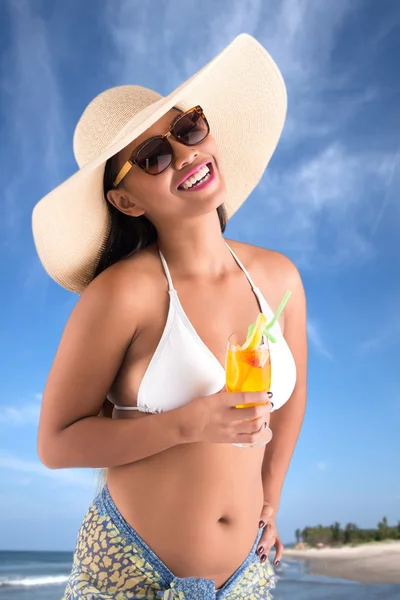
{"type": "Point", "coordinates": [270, 535]}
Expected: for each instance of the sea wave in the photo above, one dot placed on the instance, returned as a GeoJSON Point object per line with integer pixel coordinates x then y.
{"type": "Point", "coordinates": [32, 581]}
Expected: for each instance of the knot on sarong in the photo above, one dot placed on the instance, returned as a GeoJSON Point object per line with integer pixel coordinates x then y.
{"type": "Point", "coordinates": [189, 588]}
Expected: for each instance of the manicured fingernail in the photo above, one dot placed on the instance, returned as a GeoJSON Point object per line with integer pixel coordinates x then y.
{"type": "Point", "coordinates": [263, 558]}
{"type": "Point", "coordinates": [277, 563]}
{"type": "Point", "coordinates": [260, 550]}
{"type": "Point", "coordinates": [270, 394]}
{"type": "Point", "coordinates": [261, 524]}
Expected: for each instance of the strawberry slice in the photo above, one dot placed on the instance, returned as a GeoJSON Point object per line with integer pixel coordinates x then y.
{"type": "Point", "coordinates": [256, 358]}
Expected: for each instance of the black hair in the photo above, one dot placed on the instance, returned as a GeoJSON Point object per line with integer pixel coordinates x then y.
{"type": "Point", "coordinates": [128, 235]}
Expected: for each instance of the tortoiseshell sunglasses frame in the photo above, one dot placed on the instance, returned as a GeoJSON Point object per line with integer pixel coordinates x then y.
{"type": "Point", "coordinates": [132, 160]}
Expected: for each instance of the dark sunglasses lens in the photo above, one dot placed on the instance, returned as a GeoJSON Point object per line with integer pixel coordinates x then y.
{"type": "Point", "coordinates": [155, 156]}
{"type": "Point", "coordinates": [191, 129]}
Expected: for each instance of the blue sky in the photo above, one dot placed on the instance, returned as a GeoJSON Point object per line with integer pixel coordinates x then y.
{"type": "Point", "coordinates": [329, 200]}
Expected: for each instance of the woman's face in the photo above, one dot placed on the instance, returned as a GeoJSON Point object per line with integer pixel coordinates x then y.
{"type": "Point", "coordinates": [158, 196]}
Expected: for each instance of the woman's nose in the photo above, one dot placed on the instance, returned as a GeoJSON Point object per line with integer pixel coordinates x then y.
{"type": "Point", "coordinates": [183, 155]}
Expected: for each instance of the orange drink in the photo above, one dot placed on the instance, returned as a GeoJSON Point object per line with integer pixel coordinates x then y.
{"type": "Point", "coordinates": [248, 370]}
{"type": "Point", "coordinates": [248, 367]}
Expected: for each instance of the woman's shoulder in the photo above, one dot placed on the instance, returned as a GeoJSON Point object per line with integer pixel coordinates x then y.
{"type": "Point", "coordinates": [266, 262]}
{"type": "Point", "coordinates": [129, 281]}
{"type": "Point", "coordinates": [275, 274]}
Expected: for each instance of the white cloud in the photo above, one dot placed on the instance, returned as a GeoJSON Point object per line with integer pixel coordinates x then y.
{"type": "Point", "coordinates": [33, 105]}
{"type": "Point", "coordinates": [301, 35]}
{"type": "Point", "coordinates": [388, 22]}
{"type": "Point", "coordinates": [385, 330]}
{"type": "Point", "coordinates": [324, 207]}
{"type": "Point", "coordinates": [24, 414]}
{"type": "Point", "coordinates": [23, 480]}
{"type": "Point", "coordinates": [392, 190]}
{"type": "Point", "coordinates": [315, 339]}
{"type": "Point", "coordinates": [78, 477]}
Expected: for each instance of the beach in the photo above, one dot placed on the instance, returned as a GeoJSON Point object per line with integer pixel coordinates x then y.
{"type": "Point", "coordinates": [43, 576]}
{"type": "Point", "coordinates": [368, 563]}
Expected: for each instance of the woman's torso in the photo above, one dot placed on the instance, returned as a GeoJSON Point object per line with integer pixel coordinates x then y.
{"type": "Point", "coordinates": [196, 505]}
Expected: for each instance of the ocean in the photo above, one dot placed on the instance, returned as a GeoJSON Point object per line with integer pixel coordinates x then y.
{"type": "Point", "coordinates": [42, 576]}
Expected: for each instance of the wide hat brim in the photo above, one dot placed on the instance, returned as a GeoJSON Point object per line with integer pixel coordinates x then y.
{"type": "Point", "coordinates": [243, 96]}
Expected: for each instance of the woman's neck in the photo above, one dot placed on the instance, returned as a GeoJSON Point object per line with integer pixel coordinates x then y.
{"type": "Point", "coordinates": [195, 250]}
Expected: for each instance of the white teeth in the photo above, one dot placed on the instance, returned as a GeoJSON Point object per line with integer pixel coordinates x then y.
{"type": "Point", "coordinates": [202, 180]}
{"type": "Point", "coordinates": [200, 174]}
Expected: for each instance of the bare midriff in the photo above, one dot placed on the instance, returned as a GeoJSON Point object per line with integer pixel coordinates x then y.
{"type": "Point", "coordinates": [197, 506]}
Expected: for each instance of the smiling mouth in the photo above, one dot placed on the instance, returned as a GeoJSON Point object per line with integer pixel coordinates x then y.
{"type": "Point", "coordinates": [192, 184]}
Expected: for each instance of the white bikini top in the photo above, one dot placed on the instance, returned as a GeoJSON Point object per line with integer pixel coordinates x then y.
{"type": "Point", "coordinates": [183, 368]}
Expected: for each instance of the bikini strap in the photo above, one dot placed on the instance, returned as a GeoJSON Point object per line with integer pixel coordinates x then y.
{"type": "Point", "coordinates": [254, 287]}
{"type": "Point", "coordinates": [139, 408]}
{"type": "Point", "coordinates": [166, 271]}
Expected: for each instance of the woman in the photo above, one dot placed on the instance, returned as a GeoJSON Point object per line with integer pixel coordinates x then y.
{"type": "Point", "coordinates": [138, 232]}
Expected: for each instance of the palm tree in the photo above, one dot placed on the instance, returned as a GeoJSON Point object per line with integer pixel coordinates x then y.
{"type": "Point", "coordinates": [298, 535]}
{"type": "Point", "coordinates": [335, 532]}
{"type": "Point", "coordinates": [305, 534]}
{"type": "Point", "coordinates": [383, 528]}
{"type": "Point", "coordinates": [349, 532]}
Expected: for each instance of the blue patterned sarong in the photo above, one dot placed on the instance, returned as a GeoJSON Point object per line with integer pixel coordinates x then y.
{"type": "Point", "coordinates": [112, 562]}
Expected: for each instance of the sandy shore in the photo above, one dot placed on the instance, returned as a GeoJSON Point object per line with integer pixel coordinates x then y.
{"type": "Point", "coordinates": [369, 563]}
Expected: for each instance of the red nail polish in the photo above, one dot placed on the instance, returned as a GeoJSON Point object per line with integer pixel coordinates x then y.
{"type": "Point", "coordinates": [260, 550]}
{"type": "Point", "coordinates": [261, 524]}
{"type": "Point", "coordinates": [263, 558]}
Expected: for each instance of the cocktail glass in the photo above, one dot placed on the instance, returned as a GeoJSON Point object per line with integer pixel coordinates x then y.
{"type": "Point", "coordinates": [249, 371]}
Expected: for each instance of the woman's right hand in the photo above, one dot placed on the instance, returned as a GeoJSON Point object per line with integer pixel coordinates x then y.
{"type": "Point", "coordinates": [215, 419]}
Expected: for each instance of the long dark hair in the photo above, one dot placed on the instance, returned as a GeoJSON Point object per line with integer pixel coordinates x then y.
{"type": "Point", "coordinates": [128, 235]}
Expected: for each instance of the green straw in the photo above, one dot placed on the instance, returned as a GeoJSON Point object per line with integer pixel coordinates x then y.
{"type": "Point", "coordinates": [269, 336]}
{"type": "Point", "coordinates": [273, 320]}
{"type": "Point", "coordinates": [280, 309]}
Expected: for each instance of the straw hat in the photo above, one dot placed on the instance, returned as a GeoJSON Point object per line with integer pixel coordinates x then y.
{"type": "Point", "coordinates": [243, 96]}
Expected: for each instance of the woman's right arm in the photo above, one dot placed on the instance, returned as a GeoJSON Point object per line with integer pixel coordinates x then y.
{"type": "Point", "coordinates": [92, 348]}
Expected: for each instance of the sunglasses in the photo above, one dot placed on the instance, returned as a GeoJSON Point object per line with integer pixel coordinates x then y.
{"type": "Point", "coordinates": [155, 154]}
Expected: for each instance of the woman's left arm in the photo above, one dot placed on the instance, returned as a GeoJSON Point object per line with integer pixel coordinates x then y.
{"type": "Point", "coordinates": [287, 421]}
